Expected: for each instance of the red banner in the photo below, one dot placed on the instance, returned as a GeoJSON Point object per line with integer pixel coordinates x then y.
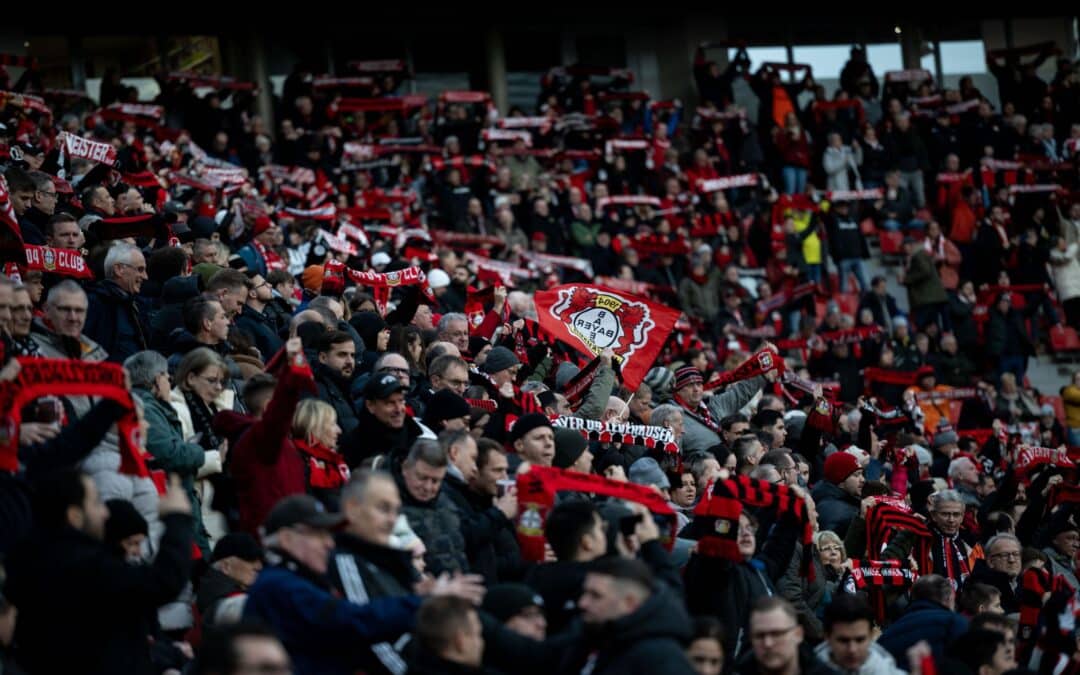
{"type": "Point", "coordinates": [65, 261]}
{"type": "Point", "coordinates": [595, 318]}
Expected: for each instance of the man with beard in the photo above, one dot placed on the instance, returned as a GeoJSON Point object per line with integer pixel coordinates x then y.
{"type": "Point", "coordinates": [254, 321]}
{"type": "Point", "coordinates": [334, 374]}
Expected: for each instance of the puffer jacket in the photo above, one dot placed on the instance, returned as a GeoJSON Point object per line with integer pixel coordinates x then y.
{"type": "Point", "coordinates": [438, 524]}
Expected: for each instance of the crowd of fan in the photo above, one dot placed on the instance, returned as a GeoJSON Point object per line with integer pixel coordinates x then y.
{"type": "Point", "coordinates": [341, 490]}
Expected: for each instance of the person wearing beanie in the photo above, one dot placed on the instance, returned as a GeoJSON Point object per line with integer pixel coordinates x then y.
{"type": "Point", "coordinates": [518, 607]}
{"type": "Point", "coordinates": [646, 471]}
{"type": "Point", "coordinates": [838, 495]}
{"type": "Point", "coordinates": [447, 410]}
{"type": "Point", "coordinates": [439, 282]}
{"type": "Point", "coordinates": [502, 365]}
{"type": "Point", "coordinates": [701, 416]}
{"type": "Point", "coordinates": [572, 451]}
{"type": "Point", "coordinates": [566, 371]}
{"type": "Point", "coordinates": [236, 561]}
{"type": "Point", "coordinates": [259, 255]}
{"type": "Point", "coordinates": [125, 530]}
{"type": "Point", "coordinates": [660, 380]}
{"type": "Point", "coordinates": [311, 279]}
{"type": "Point", "coordinates": [612, 464]}
{"type": "Point", "coordinates": [1062, 539]}
{"type": "Point", "coordinates": [945, 446]}
{"type": "Point", "coordinates": [533, 439]}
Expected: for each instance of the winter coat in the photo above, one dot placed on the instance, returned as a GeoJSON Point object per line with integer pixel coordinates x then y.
{"type": "Point", "coordinates": [263, 461]}
{"type": "Point", "coordinates": [490, 537]}
{"type": "Point", "coordinates": [170, 316]}
{"type": "Point", "coordinates": [370, 437]}
{"type": "Point", "coordinates": [262, 330]}
{"type": "Point", "coordinates": [68, 583]}
{"type": "Point", "coordinates": [701, 300]}
{"type": "Point", "coordinates": [117, 320]}
{"type": "Point", "coordinates": [923, 620]}
{"type": "Point", "coordinates": [846, 240]}
{"type": "Point", "coordinates": [323, 633]}
{"type": "Point", "coordinates": [836, 508]}
{"type": "Point", "coordinates": [878, 661]}
{"type": "Point", "coordinates": [1066, 270]}
{"type": "Point", "coordinates": [923, 281]}
{"type": "Point", "coordinates": [438, 524]}
{"type": "Point", "coordinates": [837, 162]}
{"type": "Point", "coordinates": [334, 389]}
{"type": "Point", "coordinates": [698, 436]}
{"type": "Point", "coordinates": [648, 640]}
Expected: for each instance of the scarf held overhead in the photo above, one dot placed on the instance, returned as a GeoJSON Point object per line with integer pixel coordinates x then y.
{"type": "Point", "coordinates": [64, 377]}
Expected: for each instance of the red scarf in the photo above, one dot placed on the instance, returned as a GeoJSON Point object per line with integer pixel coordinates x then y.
{"type": "Point", "coordinates": [760, 362]}
{"type": "Point", "coordinates": [702, 412]}
{"type": "Point", "coordinates": [64, 377]}
{"type": "Point", "coordinates": [326, 469]}
{"type": "Point", "coordinates": [619, 432]}
{"type": "Point", "coordinates": [68, 262]}
{"type": "Point", "coordinates": [270, 257]}
{"type": "Point", "coordinates": [537, 488]}
{"type": "Point", "coordinates": [381, 284]}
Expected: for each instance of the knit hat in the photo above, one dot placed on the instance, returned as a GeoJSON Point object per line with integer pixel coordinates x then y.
{"type": "Point", "coordinates": [610, 457]}
{"type": "Point", "coordinates": [899, 321]}
{"type": "Point", "coordinates": [124, 521]}
{"type": "Point", "coordinates": [569, 446]}
{"type": "Point", "coordinates": [840, 465]}
{"type": "Point", "coordinates": [237, 545]}
{"type": "Point", "coordinates": [943, 438]}
{"type": "Point", "coordinates": [498, 359]}
{"type": "Point", "coordinates": [687, 375]}
{"type": "Point", "coordinates": [565, 372]}
{"type": "Point", "coordinates": [925, 371]}
{"type": "Point", "coordinates": [646, 471]}
{"type": "Point", "coordinates": [262, 224]}
{"type": "Point", "coordinates": [206, 271]}
{"type": "Point", "coordinates": [527, 423]}
{"type": "Point", "coordinates": [312, 278]}
{"type": "Point", "coordinates": [505, 601]}
{"type": "Point", "coordinates": [659, 379]}
{"type": "Point", "coordinates": [437, 278]}
{"type": "Point", "coordinates": [445, 405]}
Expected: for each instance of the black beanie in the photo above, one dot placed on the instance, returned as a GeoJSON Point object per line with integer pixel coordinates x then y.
{"type": "Point", "coordinates": [124, 521]}
{"type": "Point", "coordinates": [527, 423]}
{"type": "Point", "coordinates": [569, 445]}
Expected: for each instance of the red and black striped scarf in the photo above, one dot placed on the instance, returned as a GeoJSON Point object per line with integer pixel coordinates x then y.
{"type": "Point", "coordinates": [701, 413]}
{"type": "Point", "coordinates": [723, 502]}
{"type": "Point", "coordinates": [889, 515]}
{"type": "Point", "coordinates": [875, 576]}
{"type": "Point", "coordinates": [949, 559]}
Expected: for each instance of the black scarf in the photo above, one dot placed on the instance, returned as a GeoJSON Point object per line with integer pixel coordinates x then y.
{"type": "Point", "coordinates": [201, 416]}
{"type": "Point", "coordinates": [949, 558]}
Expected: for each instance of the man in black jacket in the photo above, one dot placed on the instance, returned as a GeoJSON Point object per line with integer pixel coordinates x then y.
{"type": "Point", "coordinates": [486, 522]}
{"type": "Point", "coordinates": [384, 425]}
{"type": "Point", "coordinates": [235, 563]}
{"type": "Point", "coordinates": [255, 321]}
{"type": "Point", "coordinates": [632, 624]}
{"type": "Point", "coordinates": [64, 577]}
{"type": "Point", "coordinates": [117, 318]}
{"type": "Point", "coordinates": [333, 375]}
{"type": "Point", "coordinates": [847, 245]}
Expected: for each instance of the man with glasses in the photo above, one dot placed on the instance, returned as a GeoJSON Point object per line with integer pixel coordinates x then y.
{"type": "Point", "coordinates": [117, 318]}
{"type": "Point", "coordinates": [1001, 569]}
{"type": "Point", "coordinates": [776, 640]}
{"type": "Point", "coordinates": [34, 221]}
{"type": "Point", "coordinates": [785, 464]}
{"type": "Point", "coordinates": [449, 372]}
{"type": "Point", "coordinates": [254, 321]}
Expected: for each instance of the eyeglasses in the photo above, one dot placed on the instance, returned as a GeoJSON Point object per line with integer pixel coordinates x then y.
{"type": "Point", "coordinates": [212, 381]}
{"type": "Point", "coordinates": [831, 549]}
{"type": "Point", "coordinates": [457, 383]}
{"type": "Point", "coordinates": [762, 636]}
{"type": "Point", "coordinates": [51, 195]}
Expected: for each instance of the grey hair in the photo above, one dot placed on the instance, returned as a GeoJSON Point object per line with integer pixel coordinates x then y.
{"type": "Point", "coordinates": [444, 322]}
{"type": "Point", "coordinates": [66, 286]}
{"type": "Point", "coordinates": [382, 359]}
{"type": "Point", "coordinates": [428, 451]}
{"type": "Point", "coordinates": [956, 465]}
{"type": "Point", "coordinates": [765, 472]}
{"type": "Point", "coordinates": [144, 367]}
{"type": "Point", "coordinates": [119, 253]}
{"type": "Point", "coordinates": [40, 178]}
{"type": "Point", "coordinates": [1004, 536]}
{"type": "Point", "coordinates": [944, 497]}
{"type": "Point", "coordinates": [661, 414]}
{"type": "Point", "coordinates": [356, 489]}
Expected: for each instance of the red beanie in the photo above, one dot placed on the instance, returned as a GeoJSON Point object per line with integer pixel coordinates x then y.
{"type": "Point", "coordinates": [840, 465]}
{"type": "Point", "coordinates": [262, 224]}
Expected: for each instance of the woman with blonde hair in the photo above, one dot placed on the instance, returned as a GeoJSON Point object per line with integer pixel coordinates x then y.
{"type": "Point", "coordinates": [315, 433]}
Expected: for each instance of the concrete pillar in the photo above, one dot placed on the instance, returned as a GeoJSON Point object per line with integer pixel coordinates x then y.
{"type": "Point", "coordinates": [78, 62]}
{"type": "Point", "coordinates": [568, 48]}
{"type": "Point", "coordinates": [260, 74]}
{"type": "Point", "coordinates": [910, 44]}
{"type": "Point", "coordinates": [495, 54]}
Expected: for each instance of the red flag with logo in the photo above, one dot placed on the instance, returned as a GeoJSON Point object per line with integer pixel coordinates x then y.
{"type": "Point", "coordinates": [594, 318]}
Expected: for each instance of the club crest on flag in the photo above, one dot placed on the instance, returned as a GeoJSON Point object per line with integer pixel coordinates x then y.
{"type": "Point", "coordinates": [531, 523]}
{"type": "Point", "coordinates": [48, 259]}
{"type": "Point", "coordinates": [723, 526]}
{"type": "Point", "coordinates": [604, 320]}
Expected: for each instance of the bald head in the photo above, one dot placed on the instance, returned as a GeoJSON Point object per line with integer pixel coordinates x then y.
{"type": "Point", "coordinates": [616, 410]}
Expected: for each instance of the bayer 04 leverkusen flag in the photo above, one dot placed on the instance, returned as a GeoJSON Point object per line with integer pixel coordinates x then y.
{"type": "Point", "coordinates": [594, 318]}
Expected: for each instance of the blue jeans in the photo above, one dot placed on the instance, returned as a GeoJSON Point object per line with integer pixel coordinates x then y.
{"type": "Point", "coordinates": [895, 225]}
{"type": "Point", "coordinates": [813, 272]}
{"type": "Point", "coordinates": [794, 180]}
{"type": "Point", "coordinates": [846, 267]}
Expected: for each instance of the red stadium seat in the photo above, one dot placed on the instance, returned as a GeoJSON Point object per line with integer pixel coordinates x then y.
{"type": "Point", "coordinates": [891, 242]}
